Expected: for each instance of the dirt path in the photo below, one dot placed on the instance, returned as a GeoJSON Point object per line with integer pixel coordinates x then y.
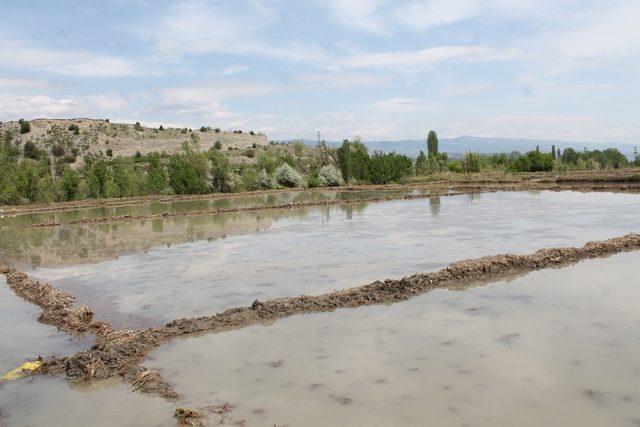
{"type": "Point", "coordinates": [120, 353]}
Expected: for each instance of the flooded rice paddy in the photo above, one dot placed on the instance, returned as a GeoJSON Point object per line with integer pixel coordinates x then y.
{"type": "Point", "coordinates": [554, 347]}
{"type": "Point", "coordinates": [146, 273]}
{"type": "Point", "coordinates": [557, 346]}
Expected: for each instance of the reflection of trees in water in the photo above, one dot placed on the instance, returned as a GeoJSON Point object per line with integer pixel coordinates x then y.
{"type": "Point", "coordinates": [473, 197]}
{"type": "Point", "coordinates": [434, 205]}
{"type": "Point", "coordinates": [350, 209]}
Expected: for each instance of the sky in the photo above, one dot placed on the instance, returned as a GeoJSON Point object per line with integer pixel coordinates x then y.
{"type": "Point", "coordinates": [377, 69]}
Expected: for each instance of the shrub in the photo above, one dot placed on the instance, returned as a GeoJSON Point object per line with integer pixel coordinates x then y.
{"type": "Point", "coordinates": [250, 153]}
{"type": "Point", "coordinates": [109, 152]}
{"type": "Point", "coordinates": [74, 128]}
{"type": "Point", "coordinates": [156, 177]}
{"type": "Point", "coordinates": [252, 133]}
{"type": "Point", "coordinates": [329, 176]}
{"type": "Point", "coordinates": [288, 176]}
{"type": "Point", "coordinates": [217, 130]}
{"type": "Point", "coordinates": [98, 179]}
{"type": "Point", "coordinates": [535, 161]}
{"type": "Point", "coordinates": [353, 161]}
{"type": "Point", "coordinates": [386, 168]}
{"type": "Point", "coordinates": [160, 128]}
{"type": "Point", "coordinates": [69, 184]}
{"type": "Point", "coordinates": [188, 173]}
{"type": "Point", "coordinates": [28, 174]}
{"type": "Point", "coordinates": [254, 145]}
{"type": "Point", "coordinates": [471, 162]}
{"type": "Point", "coordinates": [25, 126]}
{"type": "Point", "coordinates": [455, 166]}
{"type": "Point", "coordinates": [31, 151]}
{"type": "Point", "coordinates": [137, 126]}
{"type": "Point", "coordinates": [217, 145]}
{"type": "Point", "coordinates": [220, 172]}
{"type": "Point", "coordinates": [58, 150]}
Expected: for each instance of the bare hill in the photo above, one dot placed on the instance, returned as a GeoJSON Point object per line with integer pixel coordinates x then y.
{"type": "Point", "coordinates": [93, 136]}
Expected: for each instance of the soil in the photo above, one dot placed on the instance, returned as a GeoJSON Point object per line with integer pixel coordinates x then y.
{"type": "Point", "coordinates": [121, 352]}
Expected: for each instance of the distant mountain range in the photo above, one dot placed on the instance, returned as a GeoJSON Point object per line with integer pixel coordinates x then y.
{"type": "Point", "coordinates": [459, 145]}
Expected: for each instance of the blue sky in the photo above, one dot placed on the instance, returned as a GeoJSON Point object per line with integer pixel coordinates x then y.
{"type": "Point", "coordinates": [378, 69]}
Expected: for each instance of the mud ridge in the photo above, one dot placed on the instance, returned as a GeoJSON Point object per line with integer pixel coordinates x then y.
{"type": "Point", "coordinates": [57, 307]}
{"type": "Point", "coordinates": [118, 355]}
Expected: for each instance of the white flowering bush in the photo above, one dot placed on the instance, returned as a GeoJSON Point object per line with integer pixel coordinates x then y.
{"type": "Point", "coordinates": [288, 176]}
{"type": "Point", "coordinates": [329, 176]}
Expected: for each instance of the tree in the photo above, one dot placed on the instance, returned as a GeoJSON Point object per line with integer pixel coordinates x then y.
{"type": "Point", "coordinates": [98, 179]}
{"type": "Point", "coordinates": [188, 173]}
{"type": "Point", "coordinates": [74, 128]}
{"type": "Point", "coordinates": [160, 127]}
{"type": "Point", "coordinates": [69, 184]}
{"type": "Point", "coordinates": [553, 152]}
{"type": "Point", "coordinates": [156, 176]}
{"type": "Point", "coordinates": [122, 177]}
{"type": "Point", "coordinates": [28, 173]}
{"type": "Point", "coordinates": [220, 171]}
{"type": "Point", "coordinates": [353, 160]}
{"type": "Point", "coordinates": [387, 168]}
{"type": "Point", "coordinates": [137, 126]}
{"type": "Point", "coordinates": [471, 162]}
{"type": "Point", "coordinates": [432, 143]}
{"type": "Point", "coordinates": [421, 164]}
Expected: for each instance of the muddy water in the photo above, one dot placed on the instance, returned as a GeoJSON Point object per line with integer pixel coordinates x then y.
{"type": "Point", "coordinates": [45, 401]}
{"type": "Point", "coordinates": [318, 249]}
{"type": "Point", "coordinates": [264, 199]}
{"type": "Point", "coordinates": [23, 339]}
{"type": "Point", "coordinates": [554, 347]}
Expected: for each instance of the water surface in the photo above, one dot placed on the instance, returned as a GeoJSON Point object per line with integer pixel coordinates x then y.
{"type": "Point", "coordinates": [554, 347]}
{"type": "Point", "coordinates": [318, 249]}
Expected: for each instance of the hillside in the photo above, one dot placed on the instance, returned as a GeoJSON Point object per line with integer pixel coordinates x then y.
{"type": "Point", "coordinates": [93, 136]}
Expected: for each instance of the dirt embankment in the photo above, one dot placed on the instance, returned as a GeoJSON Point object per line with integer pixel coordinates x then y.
{"type": "Point", "coordinates": [120, 353]}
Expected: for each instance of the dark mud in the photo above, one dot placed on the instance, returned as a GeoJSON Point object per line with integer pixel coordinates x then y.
{"type": "Point", "coordinates": [119, 353]}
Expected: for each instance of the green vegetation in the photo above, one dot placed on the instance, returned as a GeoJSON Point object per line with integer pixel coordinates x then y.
{"type": "Point", "coordinates": [52, 168]}
{"type": "Point", "coordinates": [25, 126]}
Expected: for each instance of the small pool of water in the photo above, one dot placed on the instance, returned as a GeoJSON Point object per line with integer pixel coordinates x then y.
{"type": "Point", "coordinates": [46, 401]}
{"type": "Point", "coordinates": [554, 347]}
{"type": "Point", "coordinates": [317, 249]}
{"type": "Point", "coordinates": [23, 338]}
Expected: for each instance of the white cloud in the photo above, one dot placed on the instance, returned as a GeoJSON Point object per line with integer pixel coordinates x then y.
{"type": "Point", "coordinates": [427, 56]}
{"type": "Point", "coordinates": [108, 102]}
{"type": "Point", "coordinates": [14, 106]}
{"type": "Point", "coordinates": [207, 92]}
{"type": "Point", "coordinates": [198, 27]}
{"type": "Point", "coordinates": [402, 105]}
{"type": "Point", "coordinates": [463, 89]}
{"type": "Point", "coordinates": [326, 80]}
{"type": "Point", "coordinates": [605, 32]}
{"type": "Point", "coordinates": [360, 14]}
{"type": "Point", "coordinates": [234, 69]}
{"type": "Point", "coordinates": [19, 56]}
{"type": "Point", "coordinates": [419, 15]}
{"type": "Point", "coordinates": [19, 82]}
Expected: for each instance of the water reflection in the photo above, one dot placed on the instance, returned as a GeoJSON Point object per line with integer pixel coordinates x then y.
{"type": "Point", "coordinates": [196, 270]}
